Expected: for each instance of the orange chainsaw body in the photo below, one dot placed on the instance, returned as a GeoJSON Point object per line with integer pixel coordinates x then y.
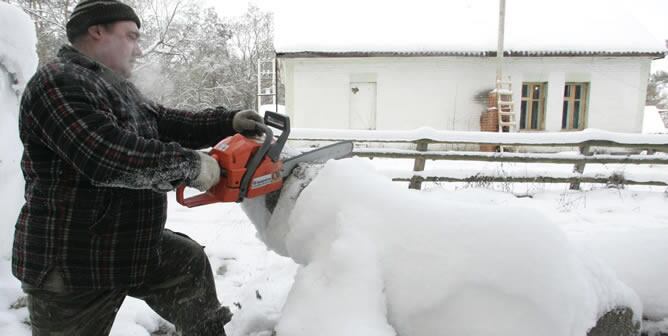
{"type": "Point", "coordinates": [233, 155]}
{"type": "Point", "coordinates": [251, 167]}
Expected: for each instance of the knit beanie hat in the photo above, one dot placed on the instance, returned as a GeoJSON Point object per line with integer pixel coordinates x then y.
{"type": "Point", "coordinates": [93, 12]}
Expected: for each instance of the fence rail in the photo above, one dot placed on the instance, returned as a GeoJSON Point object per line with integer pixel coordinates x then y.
{"type": "Point", "coordinates": [594, 146]}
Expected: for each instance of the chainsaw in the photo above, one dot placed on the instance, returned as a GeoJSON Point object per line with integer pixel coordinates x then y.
{"type": "Point", "coordinates": [250, 167]}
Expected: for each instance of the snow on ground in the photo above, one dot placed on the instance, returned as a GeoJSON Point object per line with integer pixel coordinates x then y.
{"type": "Point", "coordinates": [626, 229]}
{"type": "Point", "coordinates": [241, 264]}
{"type": "Point", "coordinates": [397, 261]}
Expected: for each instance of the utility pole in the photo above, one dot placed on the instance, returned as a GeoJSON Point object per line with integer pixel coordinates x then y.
{"type": "Point", "coordinates": [499, 46]}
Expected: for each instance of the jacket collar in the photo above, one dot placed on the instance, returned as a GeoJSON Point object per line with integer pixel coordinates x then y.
{"type": "Point", "coordinates": [69, 54]}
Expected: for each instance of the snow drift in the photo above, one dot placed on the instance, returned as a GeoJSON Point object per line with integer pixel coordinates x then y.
{"type": "Point", "coordinates": [18, 42]}
{"type": "Point", "coordinates": [378, 259]}
{"type": "Point", "coordinates": [18, 61]}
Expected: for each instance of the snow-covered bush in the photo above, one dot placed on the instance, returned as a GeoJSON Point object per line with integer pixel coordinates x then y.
{"type": "Point", "coordinates": [18, 61]}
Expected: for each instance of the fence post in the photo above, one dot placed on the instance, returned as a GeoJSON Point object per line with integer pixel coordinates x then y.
{"type": "Point", "coordinates": [580, 167]}
{"type": "Point", "coordinates": [416, 181]}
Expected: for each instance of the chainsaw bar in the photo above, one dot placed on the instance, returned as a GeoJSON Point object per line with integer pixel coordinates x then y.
{"type": "Point", "coordinates": [334, 151]}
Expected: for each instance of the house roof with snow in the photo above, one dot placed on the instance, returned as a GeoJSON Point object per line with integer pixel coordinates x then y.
{"type": "Point", "coordinates": [348, 28]}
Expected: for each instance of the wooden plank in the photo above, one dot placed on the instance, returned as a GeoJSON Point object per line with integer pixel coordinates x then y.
{"type": "Point", "coordinates": [418, 166]}
{"type": "Point", "coordinates": [512, 157]}
{"type": "Point", "coordinates": [590, 143]}
{"type": "Point", "coordinates": [421, 154]}
{"type": "Point", "coordinates": [580, 166]}
{"type": "Point", "coordinates": [542, 179]}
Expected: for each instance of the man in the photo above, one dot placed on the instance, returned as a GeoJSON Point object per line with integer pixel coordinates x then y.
{"type": "Point", "coordinates": [98, 159]}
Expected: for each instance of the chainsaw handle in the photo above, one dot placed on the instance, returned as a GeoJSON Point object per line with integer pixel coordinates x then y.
{"type": "Point", "coordinates": [282, 123]}
{"type": "Point", "coordinates": [194, 201]}
{"type": "Point", "coordinates": [277, 121]}
{"type": "Point", "coordinates": [255, 160]}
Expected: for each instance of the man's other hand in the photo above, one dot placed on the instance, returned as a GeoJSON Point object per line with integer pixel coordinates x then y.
{"type": "Point", "coordinates": [245, 122]}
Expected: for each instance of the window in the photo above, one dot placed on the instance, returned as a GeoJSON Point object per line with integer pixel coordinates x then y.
{"type": "Point", "coordinates": [575, 106]}
{"type": "Point", "coordinates": [533, 106]}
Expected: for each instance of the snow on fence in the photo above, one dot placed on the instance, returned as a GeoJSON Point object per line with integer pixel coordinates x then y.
{"type": "Point", "coordinates": [595, 147]}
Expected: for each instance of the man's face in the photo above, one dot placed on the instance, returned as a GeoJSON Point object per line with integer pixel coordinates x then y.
{"type": "Point", "coordinates": [118, 47]}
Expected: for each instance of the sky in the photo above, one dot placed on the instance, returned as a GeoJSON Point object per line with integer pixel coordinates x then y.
{"type": "Point", "coordinates": [654, 13]}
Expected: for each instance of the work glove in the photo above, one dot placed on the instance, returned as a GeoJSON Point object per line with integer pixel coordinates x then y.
{"type": "Point", "coordinates": [245, 122]}
{"type": "Point", "coordinates": [209, 173]}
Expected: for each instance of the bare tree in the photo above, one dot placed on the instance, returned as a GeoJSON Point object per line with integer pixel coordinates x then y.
{"type": "Point", "coordinates": [657, 90]}
{"type": "Point", "coordinates": [193, 58]}
{"type": "Point", "coordinates": [252, 40]}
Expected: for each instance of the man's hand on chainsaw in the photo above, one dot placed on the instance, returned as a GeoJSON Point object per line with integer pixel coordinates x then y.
{"type": "Point", "coordinates": [209, 173]}
{"type": "Point", "coordinates": [245, 122]}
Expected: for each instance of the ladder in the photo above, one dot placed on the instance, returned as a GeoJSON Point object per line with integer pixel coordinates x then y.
{"type": "Point", "coordinates": [266, 81]}
{"type": "Point", "coordinates": [505, 107]}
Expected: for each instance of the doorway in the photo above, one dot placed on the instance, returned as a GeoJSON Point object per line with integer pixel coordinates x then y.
{"type": "Point", "coordinates": [363, 105]}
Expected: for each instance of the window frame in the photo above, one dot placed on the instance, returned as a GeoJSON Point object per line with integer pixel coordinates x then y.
{"type": "Point", "coordinates": [527, 106]}
{"type": "Point", "coordinates": [569, 101]}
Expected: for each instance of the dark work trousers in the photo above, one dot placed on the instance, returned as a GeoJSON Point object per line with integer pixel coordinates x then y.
{"type": "Point", "coordinates": [181, 290]}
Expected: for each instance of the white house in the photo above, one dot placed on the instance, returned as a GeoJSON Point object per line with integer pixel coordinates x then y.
{"type": "Point", "coordinates": [391, 65]}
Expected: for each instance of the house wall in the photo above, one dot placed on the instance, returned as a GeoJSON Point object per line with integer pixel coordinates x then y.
{"type": "Point", "coordinates": [445, 92]}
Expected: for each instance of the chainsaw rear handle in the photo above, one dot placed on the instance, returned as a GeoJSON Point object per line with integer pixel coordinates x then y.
{"type": "Point", "coordinates": [282, 123]}
{"type": "Point", "coordinates": [256, 159]}
{"type": "Point", "coordinates": [277, 121]}
{"type": "Point", "coordinates": [273, 151]}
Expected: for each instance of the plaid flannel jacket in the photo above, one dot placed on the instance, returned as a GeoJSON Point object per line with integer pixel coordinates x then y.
{"type": "Point", "coordinates": [93, 150]}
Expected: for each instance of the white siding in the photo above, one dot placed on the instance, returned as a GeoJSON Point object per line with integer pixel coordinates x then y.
{"type": "Point", "coordinates": [440, 92]}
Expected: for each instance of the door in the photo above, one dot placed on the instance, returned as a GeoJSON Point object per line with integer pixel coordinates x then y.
{"type": "Point", "coordinates": [363, 105]}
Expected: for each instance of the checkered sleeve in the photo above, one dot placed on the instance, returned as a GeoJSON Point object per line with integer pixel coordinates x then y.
{"type": "Point", "coordinates": [74, 119]}
{"type": "Point", "coordinates": [194, 129]}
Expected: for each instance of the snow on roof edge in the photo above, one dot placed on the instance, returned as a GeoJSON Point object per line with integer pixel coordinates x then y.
{"type": "Point", "coordinates": [468, 26]}
{"type": "Point", "coordinates": [510, 53]}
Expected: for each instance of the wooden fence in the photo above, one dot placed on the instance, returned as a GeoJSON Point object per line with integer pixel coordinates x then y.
{"type": "Point", "coordinates": [595, 147]}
